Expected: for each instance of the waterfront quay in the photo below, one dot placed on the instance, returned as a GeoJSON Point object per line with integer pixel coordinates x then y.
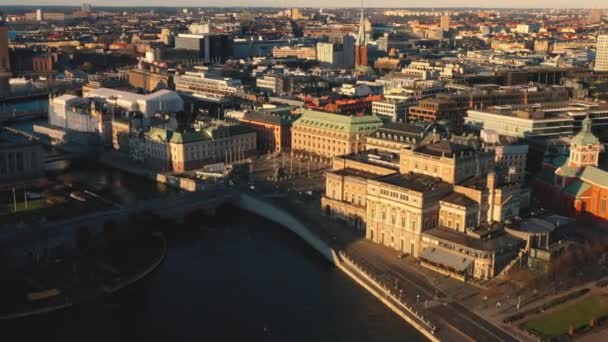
{"type": "Point", "coordinates": [431, 303]}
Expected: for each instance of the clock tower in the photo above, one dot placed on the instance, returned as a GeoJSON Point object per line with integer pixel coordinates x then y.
{"type": "Point", "coordinates": [585, 147]}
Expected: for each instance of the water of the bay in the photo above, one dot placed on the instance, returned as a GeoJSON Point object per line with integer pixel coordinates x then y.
{"type": "Point", "coordinates": [239, 278]}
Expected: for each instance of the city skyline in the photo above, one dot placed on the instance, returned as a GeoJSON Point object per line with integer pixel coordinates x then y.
{"type": "Point", "coordinates": [251, 170]}
{"type": "Point", "coordinates": [561, 4]}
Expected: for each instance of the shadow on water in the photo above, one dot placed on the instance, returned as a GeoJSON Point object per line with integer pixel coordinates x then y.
{"type": "Point", "coordinates": [232, 277]}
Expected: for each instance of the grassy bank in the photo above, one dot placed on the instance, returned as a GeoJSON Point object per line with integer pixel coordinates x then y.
{"type": "Point", "coordinates": [575, 315]}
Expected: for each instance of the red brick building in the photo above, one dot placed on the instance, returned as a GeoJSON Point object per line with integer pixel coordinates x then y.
{"type": "Point", "coordinates": [576, 184]}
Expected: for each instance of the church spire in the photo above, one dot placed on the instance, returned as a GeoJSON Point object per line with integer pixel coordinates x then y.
{"type": "Point", "coordinates": [586, 125]}
{"type": "Point", "coordinates": [361, 39]}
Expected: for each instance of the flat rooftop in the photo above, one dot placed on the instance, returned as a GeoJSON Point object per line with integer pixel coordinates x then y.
{"type": "Point", "coordinates": [458, 199]}
{"type": "Point", "coordinates": [354, 173]}
{"type": "Point", "coordinates": [498, 240]}
{"type": "Point", "coordinates": [446, 148]}
{"type": "Point", "coordinates": [415, 181]}
{"type": "Point", "coordinates": [375, 156]}
{"type": "Point", "coordinates": [578, 109]}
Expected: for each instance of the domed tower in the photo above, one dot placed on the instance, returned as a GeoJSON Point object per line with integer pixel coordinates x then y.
{"type": "Point", "coordinates": [5, 65]}
{"type": "Point", "coordinates": [585, 147]}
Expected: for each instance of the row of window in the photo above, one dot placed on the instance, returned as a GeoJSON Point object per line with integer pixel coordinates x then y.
{"type": "Point", "coordinates": [396, 195]}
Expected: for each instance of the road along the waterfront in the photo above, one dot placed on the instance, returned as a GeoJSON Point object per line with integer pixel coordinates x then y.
{"type": "Point", "coordinates": [435, 304]}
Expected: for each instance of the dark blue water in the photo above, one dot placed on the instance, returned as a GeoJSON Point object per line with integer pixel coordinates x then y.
{"type": "Point", "coordinates": [244, 279]}
{"type": "Point", "coordinates": [36, 105]}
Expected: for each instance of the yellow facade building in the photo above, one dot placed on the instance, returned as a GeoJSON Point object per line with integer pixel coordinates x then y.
{"type": "Point", "coordinates": [326, 135]}
{"type": "Point", "coordinates": [346, 185]}
{"type": "Point", "coordinates": [167, 150]}
{"type": "Point", "coordinates": [400, 207]}
{"type": "Point", "coordinates": [451, 162]}
{"type": "Point", "coordinates": [440, 202]}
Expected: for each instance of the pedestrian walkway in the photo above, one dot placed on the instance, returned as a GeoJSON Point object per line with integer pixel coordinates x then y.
{"type": "Point", "coordinates": [431, 303]}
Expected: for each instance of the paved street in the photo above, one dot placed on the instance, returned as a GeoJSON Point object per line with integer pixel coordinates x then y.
{"type": "Point", "coordinates": [433, 303]}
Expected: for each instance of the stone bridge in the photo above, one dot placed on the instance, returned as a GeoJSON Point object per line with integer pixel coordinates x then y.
{"type": "Point", "coordinates": [39, 239]}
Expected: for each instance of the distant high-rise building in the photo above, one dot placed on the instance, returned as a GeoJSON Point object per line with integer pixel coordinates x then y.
{"type": "Point", "coordinates": [211, 47]}
{"type": "Point", "coordinates": [445, 22]}
{"type": "Point", "coordinates": [192, 42]}
{"type": "Point", "coordinates": [5, 65]}
{"type": "Point", "coordinates": [39, 15]}
{"type": "Point", "coordinates": [595, 17]}
{"type": "Point", "coordinates": [218, 48]}
{"type": "Point", "coordinates": [601, 53]}
{"type": "Point", "coordinates": [361, 43]}
{"type": "Point", "coordinates": [338, 52]}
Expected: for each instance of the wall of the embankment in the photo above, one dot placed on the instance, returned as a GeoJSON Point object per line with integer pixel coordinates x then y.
{"type": "Point", "coordinates": [273, 213]}
{"type": "Point", "coordinates": [278, 215]}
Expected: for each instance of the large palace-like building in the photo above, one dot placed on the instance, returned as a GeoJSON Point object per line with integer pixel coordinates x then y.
{"type": "Point", "coordinates": [442, 202]}
{"type": "Point", "coordinates": [326, 135]}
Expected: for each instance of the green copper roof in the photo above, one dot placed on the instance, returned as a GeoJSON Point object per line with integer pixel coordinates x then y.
{"type": "Point", "coordinates": [188, 137]}
{"type": "Point", "coordinates": [585, 136]}
{"type": "Point", "coordinates": [567, 171]}
{"type": "Point", "coordinates": [558, 161]}
{"type": "Point", "coordinates": [164, 135]}
{"type": "Point", "coordinates": [594, 175]}
{"type": "Point", "coordinates": [577, 188]}
{"type": "Point", "coordinates": [338, 122]}
{"type": "Point", "coordinates": [158, 134]}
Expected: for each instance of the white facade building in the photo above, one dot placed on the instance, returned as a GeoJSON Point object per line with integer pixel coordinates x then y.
{"type": "Point", "coordinates": [601, 54]}
{"type": "Point", "coordinates": [160, 101]}
{"type": "Point", "coordinates": [72, 113]}
{"type": "Point", "coordinates": [539, 120]}
{"type": "Point", "coordinates": [201, 85]}
{"type": "Point", "coordinates": [394, 110]}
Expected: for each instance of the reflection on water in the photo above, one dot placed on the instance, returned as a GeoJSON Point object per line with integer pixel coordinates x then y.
{"type": "Point", "coordinates": [113, 184]}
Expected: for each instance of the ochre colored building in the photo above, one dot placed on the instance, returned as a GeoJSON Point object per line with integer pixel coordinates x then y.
{"type": "Point", "coordinates": [273, 130]}
{"type": "Point", "coordinates": [327, 135]}
{"type": "Point", "coordinates": [439, 202]}
{"type": "Point", "coordinates": [167, 150]}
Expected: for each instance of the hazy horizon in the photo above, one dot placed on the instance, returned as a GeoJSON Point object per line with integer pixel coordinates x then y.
{"type": "Point", "coordinates": [319, 3]}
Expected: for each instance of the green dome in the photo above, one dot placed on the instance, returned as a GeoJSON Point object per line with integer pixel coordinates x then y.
{"type": "Point", "coordinates": [585, 136]}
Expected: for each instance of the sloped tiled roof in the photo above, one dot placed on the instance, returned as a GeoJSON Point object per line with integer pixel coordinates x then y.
{"type": "Point", "coordinates": [188, 137]}
{"type": "Point", "coordinates": [577, 188]}
{"type": "Point", "coordinates": [595, 176]}
{"type": "Point", "coordinates": [339, 122]}
{"type": "Point", "coordinates": [566, 171]}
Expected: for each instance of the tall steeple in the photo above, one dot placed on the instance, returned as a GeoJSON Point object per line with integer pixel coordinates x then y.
{"type": "Point", "coordinates": [361, 42]}
{"type": "Point", "coordinates": [361, 38]}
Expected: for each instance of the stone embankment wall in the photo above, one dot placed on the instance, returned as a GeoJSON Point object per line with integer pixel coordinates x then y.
{"type": "Point", "coordinates": [273, 213]}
